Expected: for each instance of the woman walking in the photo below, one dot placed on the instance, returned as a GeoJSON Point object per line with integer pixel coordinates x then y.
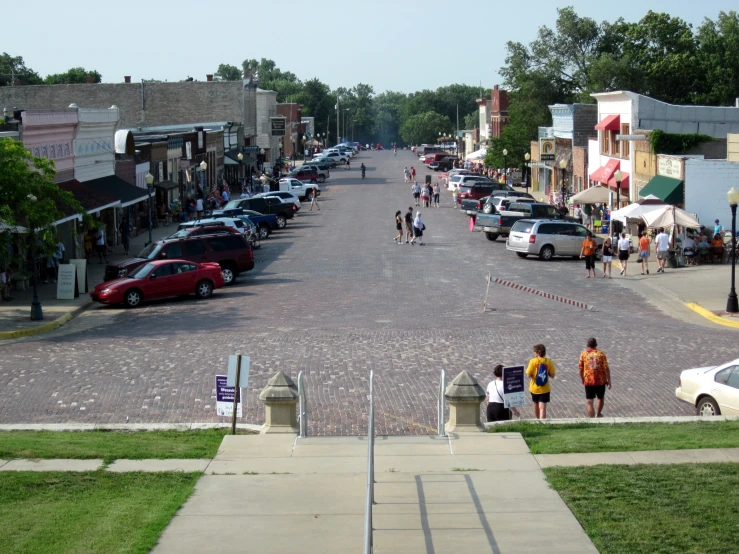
{"type": "Point", "coordinates": [408, 224]}
{"type": "Point", "coordinates": [416, 191]}
{"type": "Point", "coordinates": [418, 228]}
{"type": "Point", "coordinates": [425, 196]}
{"type": "Point", "coordinates": [437, 192]}
{"type": "Point", "coordinates": [607, 256]}
{"type": "Point", "coordinates": [644, 248]}
{"type": "Point", "coordinates": [398, 227]}
{"type": "Point", "coordinates": [455, 193]}
{"type": "Point", "coordinates": [624, 245]}
{"type": "Point", "coordinates": [540, 371]}
{"type": "Point", "coordinates": [587, 251]}
{"type": "Point", "coordinates": [495, 409]}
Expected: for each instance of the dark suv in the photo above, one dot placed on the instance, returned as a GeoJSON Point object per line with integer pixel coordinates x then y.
{"type": "Point", "coordinates": [231, 252]}
{"type": "Point", "coordinates": [476, 190]}
{"type": "Point", "coordinates": [307, 175]}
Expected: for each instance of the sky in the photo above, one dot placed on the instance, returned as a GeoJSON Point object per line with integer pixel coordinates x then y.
{"type": "Point", "coordinates": [391, 45]}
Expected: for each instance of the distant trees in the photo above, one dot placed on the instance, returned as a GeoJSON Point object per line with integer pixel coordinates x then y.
{"type": "Point", "coordinates": [74, 76]}
{"type": "Point", "coordinates": [14, 68]}
{"type": "Point", "coordinates": [227, 72]}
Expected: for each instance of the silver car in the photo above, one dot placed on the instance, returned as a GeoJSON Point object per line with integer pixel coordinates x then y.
{"type": "Point", "coordinates": [547, 238]}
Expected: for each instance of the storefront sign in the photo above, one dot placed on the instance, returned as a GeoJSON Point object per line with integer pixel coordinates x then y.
{"type": "Point", "coordinates": [670, 167]}
{"type": "Point", "coordinates": [225, 398]}
{"type": "Point", "coordinates": [81, 274]}
{"type": "Point", "coordinates": [66, 285]}
{"type": "Point", "coordinates": [278, 126]}
{"type": "Point", "coordinates": [514, 391]}
{"type": "Point", "coordinates": [547, 149]}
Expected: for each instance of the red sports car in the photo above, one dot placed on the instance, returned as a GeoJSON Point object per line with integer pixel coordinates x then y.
{"type": "Point", "coordinates": [160, 279]}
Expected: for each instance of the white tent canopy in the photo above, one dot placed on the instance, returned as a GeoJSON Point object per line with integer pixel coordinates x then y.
{"type": "Point", "coordinates": [477, 154]}
{"type": "Point", "coordinates": [637, 209]}
{"type": "Point", "coordinates": [592, 195]}
{"type": "Point", "coordinates": [668, 216]}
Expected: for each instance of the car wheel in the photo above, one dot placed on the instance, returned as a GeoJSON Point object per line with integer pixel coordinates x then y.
{"type": "Point", "coordinates": [707, 407]}
{"type": "Point", "coordinates": [521, 254]}
{"type": "Point", "coordinates": [487, 209]}
{"type": "Point", "coordinates": [229, 274]}
{"type": "Point", "coordinates": [492, 236]}
{"type": "Point", "coordinates": [133, 298]}
{"type": "Point", "coordinates": [308, 196]}
{"type": "Point", "coordinates": [547, 253]}
{"type": "Point", "coordinates": [321, 179]}
{"type": "Point", "coordinates": [204, 289]}
{"type": "Point", "coordinates": [263, 231]}
{"type": "Point", "coordinates": [281, 221]}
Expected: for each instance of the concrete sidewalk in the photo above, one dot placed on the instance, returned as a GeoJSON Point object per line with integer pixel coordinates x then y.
{"type": "Point", "coordinates": [15, 315]}
{"type": "Point", "coordinates": [465, 493]}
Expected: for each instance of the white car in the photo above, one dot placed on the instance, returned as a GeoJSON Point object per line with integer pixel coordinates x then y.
{"type": "Point", "coordinates": [712, 390]}
{"type": "Point", "coordinates": [285, 196]}
{"type": "Point", "coordinates": [332, 157]}
{"type": "Point", "coordinates": [305, 191]}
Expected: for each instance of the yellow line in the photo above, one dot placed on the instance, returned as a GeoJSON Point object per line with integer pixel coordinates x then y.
{"type": "Point", "coordinates": [36, 330]}
{"type": "Point", "coordinates": [700, 310]}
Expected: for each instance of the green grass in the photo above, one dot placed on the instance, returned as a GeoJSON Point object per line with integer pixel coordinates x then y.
{"type": "Point", "coordinates": [110, 445]}
{"type": "Point", "coordinates": [662, 509]}
{"type": "Point", "coordinates": [97, 512]}
{"type": "Point", "coordinates": [583, 437]}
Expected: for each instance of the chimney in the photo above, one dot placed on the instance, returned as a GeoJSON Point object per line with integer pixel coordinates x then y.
{"type": "Point", "coordinates": [127, 79]}
{"type": "Point", "coordinates": [89, 79]}
{"type": "Point", "coordinates": [495, 87]}
{"type": "Point", "coordinates": [209, 78]}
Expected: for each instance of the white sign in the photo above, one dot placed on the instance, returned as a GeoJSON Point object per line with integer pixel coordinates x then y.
{"type": "Point", "coordinates": [243, 373]}
{"type": "Point", "coordinates": [225, 398]}
{"type": "Point", "coordinates": [514, 391]}
{"type": "Point", "coordinates": [547, 149]}
{"type": "Point", "coordinates": [65, 285]}
{"type": "Point", "coordinates": [669, 167]}
{"type": "Point", "coordinates": [81, 265]}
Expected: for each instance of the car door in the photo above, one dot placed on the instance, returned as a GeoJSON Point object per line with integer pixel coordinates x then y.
{"type": "Point", "coordinates": [159, 282]}
{"type": "Point", "coordinates": [726, 390]}
{"type": "Point", "coordinates": [183, 277]}
{"type": "Point", "coordinates": [194, 250]}
{"type": "Point", "coordinates": [580, 232]}
{"type": "Point", "coordinates": [567, 241]}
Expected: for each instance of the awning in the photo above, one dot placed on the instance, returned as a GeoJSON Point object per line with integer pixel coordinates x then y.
{"type": "Point", "coordinates": [667, 189]}
{"type": "Point", "coordinates": [609, 123]}
{"type": "Point", "coordinates": [166, 185]}
{"type": "Point", "coordinates": [604, 173]}
{"type": "Point", "coordinates": [116, 187]}
{"type": "Point", "coordinates": [92, 200]}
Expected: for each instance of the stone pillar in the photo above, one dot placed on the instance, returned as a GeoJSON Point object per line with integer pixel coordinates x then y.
{"type": "Point", "coordinates": [464, 395]}
{"type": "Point", "coordinates": [280, 398]}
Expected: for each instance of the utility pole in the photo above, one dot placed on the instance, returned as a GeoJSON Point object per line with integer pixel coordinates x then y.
{"type": "Point", "coordinates": [338, 120]}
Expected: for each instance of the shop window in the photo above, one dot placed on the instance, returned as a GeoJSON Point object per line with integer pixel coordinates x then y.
{"type": "Point", "coordinates": [625, 144]}
{"type": "Point", "coordinates": [605, 146]}
{"type": "Point", "coordinates": [615, 145]}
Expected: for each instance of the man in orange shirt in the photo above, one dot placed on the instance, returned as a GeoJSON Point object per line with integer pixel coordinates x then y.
{"type": "Point", "coordinates": [595, 375]}
{"type": "Point", "coordinates": [644, 247]}
{"type": "Point", "coordinates": [587, 251]}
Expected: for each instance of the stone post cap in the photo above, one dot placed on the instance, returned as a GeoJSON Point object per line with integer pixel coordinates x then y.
{"type": "Point", "coordinates": [279, 389]}
{"type": "Point", "coordinates": [464, 388]}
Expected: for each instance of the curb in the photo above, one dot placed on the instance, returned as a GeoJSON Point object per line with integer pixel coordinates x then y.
{"type": "Point", "coordinates": [700, 310]}
{"type": "Point", "coordinates": [550, 296]}
{"type": "Point", "coordinates": [125, 427]}
{"type": "Point", "coordinates": [43, 328]}
{"type": "Point", "coordinates": [613, 420]}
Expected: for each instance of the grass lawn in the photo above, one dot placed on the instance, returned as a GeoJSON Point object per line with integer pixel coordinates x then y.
{"type": "Point", "coordinates": [110, 445]}
{"type": "Point", "coordinates": [661, 509]}
{"type": "Point", "coordinates": [95, 512]}
{"type": "Point", "coordinates": [583, 437]}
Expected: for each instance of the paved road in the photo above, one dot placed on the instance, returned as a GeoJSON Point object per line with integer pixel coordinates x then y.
{"type": "Point", "coordinates": [334, 296]}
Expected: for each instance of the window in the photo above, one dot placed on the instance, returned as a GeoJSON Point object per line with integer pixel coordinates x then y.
{"type": "Point", "coordinates": [547, 229]}
{"type": "Point", "coordinates": [163, 270]}
{"type": "Point", "coordinates": [723, 376]}
{"type": "Point", "coordinates": [194, 248]}
{"type": "Point", "coordinates": [184, 268]}
{"type": "Point", "coordinates": [173, 251]}
{"type": "Point", "coordinates": [733, 380]}
{"type": "Point", "coordinates": [221, 244]}
{"type": "Point", "coordinates": [615, 145]}
{"type": "Point", "coordinates": [581, 231]}
{"type": "Point", "coordinates": [605, 147]}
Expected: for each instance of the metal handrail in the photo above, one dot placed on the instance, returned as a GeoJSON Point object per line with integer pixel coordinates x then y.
{"type": "Point", "coordinates": [440, 405]}
{"type": "Point", "coordinates": [368, 542]}
{"type": "Point", "coordinates": [303, 407]}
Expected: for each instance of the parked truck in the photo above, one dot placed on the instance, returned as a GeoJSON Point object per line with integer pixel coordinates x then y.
{"type": "Point", "coordinates": [499, 224]}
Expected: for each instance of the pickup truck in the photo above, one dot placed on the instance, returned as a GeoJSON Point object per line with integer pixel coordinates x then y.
{"type": "Point", "coordinates": [499, 200]}
{"type": "Point", "coordinates": [472, 206]}
{"type": "Point", "coordinates": [282, 210]}
{"type": "Point", "coordinates": [500, 223]}
{"type": "Point", "coordinates": [305, 191]}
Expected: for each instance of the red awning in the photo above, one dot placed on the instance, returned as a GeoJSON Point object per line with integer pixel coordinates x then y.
{"type": "Point", "coordinates": [624, 181]}
{"type": "Point", "coordinates": [610, 123]}
{"type": "Point", "coordinates": [605, 173]}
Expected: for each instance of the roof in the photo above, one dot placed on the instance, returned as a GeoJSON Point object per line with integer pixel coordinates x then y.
{"type": "Point", "coordinates": [92, 200]}
{"type": "Point", "coordinates": [116, 187]}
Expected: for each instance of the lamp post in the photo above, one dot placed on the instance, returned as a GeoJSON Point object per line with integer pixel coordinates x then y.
{"type": "Point", "coordinates": [618, 176]}
{"type": "Point", "coordinates": [149, 178]}
{"type": "Point", "coordinates": [563, 169]}
{"type": "Point", "coordinates": [505, 164]}
{"type": "Point", "coordinates": [240, 157]}
{"type": "Point", "coordinates": [527, 170]}
{"type": "Point", "coordinates": [732, 306]}
{"type": "Point", "coordinates": [305, 138]}
{"type": "Point", "coordinates": [37, 314]}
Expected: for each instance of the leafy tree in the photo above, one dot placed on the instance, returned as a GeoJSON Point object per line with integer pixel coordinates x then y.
{"type": "Point", "coordinates": [15, 68]}
{"type": "Point", "coordinates": [425, 128]}
{"type": "Point", "coordinates": [317, 103]}
{"type": "Point", "coordinates": [386, 114]}
{"type": "Point", "coordinates": [29, 198]}
{"type": "Point", "coordinates": [74, 76]}
{"type": "Point", "coordinates": [719, 59]}
{"type": "Point", "coordinates": [471, 120]}
{"type": "Point", "coordinates": [227, 72]}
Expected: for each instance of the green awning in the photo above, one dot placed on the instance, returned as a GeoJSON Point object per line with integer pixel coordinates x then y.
{"type": "Point", "coordinates": [667, 189]}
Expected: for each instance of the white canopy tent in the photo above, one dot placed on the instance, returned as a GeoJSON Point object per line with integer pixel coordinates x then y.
{"type": "Point", "coordinates": [668, 216]}
{"type": "Point", "coordinates": [637, 209]}
{"type": "Point", "coordinates": [592, 195]}
{"type": "Point", "coordinates": [477, 154]}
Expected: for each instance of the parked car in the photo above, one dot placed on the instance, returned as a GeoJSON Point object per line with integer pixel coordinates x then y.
{"type": "Point", "coordinates": [501, 223]}
{"type": "Point", "coordinates": [322, 171]}
{"type": "Point", "coordinates": [303, 190]}
{"type": "Point", "coordinates": [547, 238]}
{"type": "Point", "coordinates": [712, 390]}
{"type": "Point", "coordinates": [161, 279]}
{"type": "Point", "coordinates": [335, 157]}
{"type": "Point", "coordinates": [472, 206]}
{"type": "Point", "coordinates": [231, 252]}
{"type": "Point", "coordinates": [476, 188]}
{"type": "Point", "coordinates": [304, 174]}
{"type": "Point", "coordinates": [284, 196]}
{"type": "Point", "coordinates": [502, 203]}
{"type": "Point", "coordinates": [265, 223]}
{"type": "Point", "coordinates": [275, 206]}
{"type": "Point", "coordinates": [233, 222]}
{"type": "Point", "coordinates": [214, 228]}
{"type": "Point", "coordinates": [321, 165]}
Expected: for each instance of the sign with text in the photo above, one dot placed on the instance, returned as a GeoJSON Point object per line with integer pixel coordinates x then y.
{"type": "Point", "coordinates": [278, 126]}
{"type": "Point", "coordinates": [225, 398]}
{"type": "Point", "coordinates": [670, 167]}
{"type": "Point", "coordinates": [514, 390]}
{"type": "Point", "coordinates": [66, 284]}
{"type": "Point", "coordinates": [81, 265]}
{"type": "Point", "coordinates": [547, 149]}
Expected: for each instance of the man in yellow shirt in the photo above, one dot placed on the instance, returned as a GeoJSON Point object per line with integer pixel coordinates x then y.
{"type": "Point", "coordinates": [540, 371]}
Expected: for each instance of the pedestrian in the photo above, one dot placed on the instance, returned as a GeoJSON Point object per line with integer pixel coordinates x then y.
{"type": "Point", "coordinates": [406, 175]}
{"type": "Point", "coordinates": [595, 376]}
{"type": "Point", "coordinates": [437, 193]}
{"type": "Point", "coordinates": [5, 283]}
{"type": "Point", "coordinates": [587, 216]}
{"type": "Point", "coordinates": [663, 248]}
{"type": "Point", "coordinates": [495, 409]}
{"type": "Point", "coordinates": [718, 229]}
{"type": "Point", "coordinates": [589, 246]}
{"type": "Point", "coordinates": [398, 227]}
{"type": "Point", "coordinates": [425, 196]}
{"type": "Point", "coordinates": [125, 230]}
{"type": "Point", "coordinates": [416, 191]}
{"type": "Point", "coordinates": [455, 194]}
{"type": "Point", "coordinates": [314, 201]}
{"type": "Point", "coordinates": [624, 245]}
{"type": "Point", "coordinates": [88, 244]}
{"type": "Point", "coordinates": [644, 248]}
{"type": "Point", "coordinates": [100, 245]}
{"type": "Point", "coordinates": [540, 371]}
{"type": "Point", "coordinates": [408, 224]}
{"type": "Point", "coordinates": [225, 195]}
{"type": "Point", "coordinates": [607, 256]}
{"type": "Point", "coordinates": [413, 173]}
{"type": "Point", "coordinates": [418, 228]}
{"type": "Point", "coordinates": [199, 204]}
{"type": "Point", "coordinates": [578, 213]}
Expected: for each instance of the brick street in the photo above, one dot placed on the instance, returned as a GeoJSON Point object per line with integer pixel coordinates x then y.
{"type": "Point", "coordinates": [334, 296]}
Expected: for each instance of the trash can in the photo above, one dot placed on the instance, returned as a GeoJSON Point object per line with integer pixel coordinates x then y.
{"type": "Point", "coordinates": [604, 229]}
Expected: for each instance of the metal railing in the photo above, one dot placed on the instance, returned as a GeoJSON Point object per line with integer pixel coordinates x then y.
{"type": "Point", "coordinates": [368, 547]}
{"type": "Point", "coordinates": [303, 407]}
{"type": "Point", "coordinates": [440, 410]}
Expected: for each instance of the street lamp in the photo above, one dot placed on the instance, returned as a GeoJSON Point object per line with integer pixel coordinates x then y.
{"type": "Point", "coordinates": [527, 171]}
{"type": "Point", "coordinates": [305, 138]}
{"type": "Point", "coordinates": [37, 314]}
{"type": "Point", "coordinates": [149, 178]}
{"type": "Point", "coordinates": [505, 164]}
{"type": "Point", "coordinates": [732, 306]}
{"type": "Point", "coordinates": [618, 176]}
{"type": "Point", "coordinates": [563, 168]}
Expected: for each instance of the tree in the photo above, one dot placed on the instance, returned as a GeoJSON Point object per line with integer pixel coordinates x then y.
{"type": "Point", "coordinates": [30, 199]}
{"type": "Point", "coordinates": [471, 120]}
{"type": "Point", "coordinates": [425, 128]}
{"type": "Point", "coordinates": [386, 110]}
{"type": "Point", "coordinates": [317, 103]}
{"type": "Point", "coordinates": [227, 72]}
{"type": "Point", "coordinates": [14, 68]}
{"type": "Point", "coordinates": [74, 76]}
{"type": "Point", "coordinates": [719, 59]}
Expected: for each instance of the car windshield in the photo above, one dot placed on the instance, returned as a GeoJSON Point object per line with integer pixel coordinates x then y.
{"type": "Point", "coordinates": [233, 204]}
{"type": "Point", "coordinates": [143, 271]}
{"type": "Point", "coordinates": [151, 251]}
{"type": "Point", "coordinates": [522, 226]}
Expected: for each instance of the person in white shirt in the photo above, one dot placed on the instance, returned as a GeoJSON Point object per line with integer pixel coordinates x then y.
{"type": "Point", "coordinates": [418, 228]}
{"type": "Point", "coordinates": [495, 409]}
{"type": "Point", "coordinates": [663, 248]}
{"type": "Point", "coordinates": [199, 206]}
{"type": "Point", "coordinates": [624, 246]}
{"type": "Point", "coordinates": [102, 248]}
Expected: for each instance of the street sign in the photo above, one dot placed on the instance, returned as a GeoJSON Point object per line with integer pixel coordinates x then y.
{"type": "Point", "coordinates": [243, 374]}
{"type": "Point", "coordinates": [67, 282]}
{"type": "Point", "coordinates": [225, 398]}
{"type": "Point", "coordinates": [547, 149]}
{"type": "Point", "coordinates": [81, 265]}
{"type": "Point", "coordinates": [278, 126]}
{"type": "Point", "coordinates": [514, 392]}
